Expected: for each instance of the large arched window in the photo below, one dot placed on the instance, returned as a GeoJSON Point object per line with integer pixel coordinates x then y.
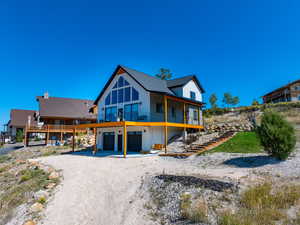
{"type": "Point", "coordinates": [122, 92]}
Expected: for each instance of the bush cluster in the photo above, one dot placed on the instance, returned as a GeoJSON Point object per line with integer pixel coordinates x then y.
{"type": "Point", "coordinates": [277, 136]}
{"type": "Point", "coordinates": [252, 108]}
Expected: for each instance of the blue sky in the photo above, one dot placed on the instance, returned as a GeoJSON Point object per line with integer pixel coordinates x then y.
{"type": "Point", "coordinates": [70, 48]}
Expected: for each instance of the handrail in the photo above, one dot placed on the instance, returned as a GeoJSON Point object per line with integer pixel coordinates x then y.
{"type": "Point", "coordinates": [53, 127]}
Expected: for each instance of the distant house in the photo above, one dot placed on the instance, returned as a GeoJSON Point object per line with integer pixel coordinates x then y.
{"type": "Point", "coordinates": [286, 93]}
{"type": "Point", "coordinates": [154, 110]}
{"type": "Point", "coordinates": [19, 119]}
{"type": "Point", "coordinates": [64, 111]}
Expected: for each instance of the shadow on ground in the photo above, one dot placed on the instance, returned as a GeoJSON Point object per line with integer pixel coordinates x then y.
{"type": "Point", "coordinates": [251, 161]}
{"type": "Point", "coordinates": [88, 152]}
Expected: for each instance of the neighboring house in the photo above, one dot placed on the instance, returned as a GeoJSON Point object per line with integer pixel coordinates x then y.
{"type": "Point", "coordinates": [19, 119]}
{"type": "Point", "coordinates": [130, 95]}
{"type": "Point", "coordinates": [64, 111]}
{"type": "Point", "coordinates": [287, 93]}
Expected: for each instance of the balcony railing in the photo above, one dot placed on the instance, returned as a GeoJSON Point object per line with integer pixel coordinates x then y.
{"type": "Point", "coordinates": [53, 127]}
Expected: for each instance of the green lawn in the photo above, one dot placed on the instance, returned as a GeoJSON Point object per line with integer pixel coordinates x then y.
{"type": "Point", "coordinates": [243, 142]}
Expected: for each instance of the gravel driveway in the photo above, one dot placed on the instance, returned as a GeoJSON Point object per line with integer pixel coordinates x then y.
{"type": "Point", "coordinates": [103, 191]}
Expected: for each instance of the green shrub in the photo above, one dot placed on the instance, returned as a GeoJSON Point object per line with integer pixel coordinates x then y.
{"type": "Point", "coordinates": [19, 136]}
{"type": "Point", "coordinates": [277, 136]}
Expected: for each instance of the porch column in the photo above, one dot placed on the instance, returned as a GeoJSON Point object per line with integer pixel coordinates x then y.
{"type": "Point", "coordinates": [25, 137]}
{"type": "Point", "coordinates": [61, 137]}
{"type": "Point", "coordinates": [48, 134]}
{"type": "Point", "coordinates": [124, 140]}
{"type": "Point", "coordinates": [73, 139]}
{"type": "Point", "coordinates": [166, 120]}
{"type": "Point", "coordinates": [184, 121]}
{"type": "Point", "coordinates": [95, 141]}
{"type": "Point", "coordinates": [199, 122]}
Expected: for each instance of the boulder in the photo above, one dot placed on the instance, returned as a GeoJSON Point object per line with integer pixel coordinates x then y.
{"type": "Point", "coordinates": [36, 207]}
{"type": "Point", "coordinates": [41, 194]}
{"type": "Point", "coordinates": [50, 185]}
{"type": "Point", "coordinates": [53, 175]}
{"type": "Point", "coordinates": [29, 222]}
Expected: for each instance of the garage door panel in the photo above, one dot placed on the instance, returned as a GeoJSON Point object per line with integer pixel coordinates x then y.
{"type": "Point", "coordinates": [108, 141]}
{"type": "Point", "coordinates": [134, 141]}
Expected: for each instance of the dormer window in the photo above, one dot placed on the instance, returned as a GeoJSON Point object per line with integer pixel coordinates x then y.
{"type": "Point", "coordinates": [193, 95]}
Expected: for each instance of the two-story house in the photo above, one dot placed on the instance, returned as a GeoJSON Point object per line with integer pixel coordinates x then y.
{"type": "Point", "coordinates": [287, 93]}
{"type": "Point", "coordinates": [64, 111]}
{"type": "Point", "coordinates": [157, 109]}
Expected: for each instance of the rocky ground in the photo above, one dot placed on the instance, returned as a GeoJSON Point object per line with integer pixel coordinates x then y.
{"type": "Point", "coordinates": [146, 190]}
{"type": "Point", "coordinates": [25, 185]}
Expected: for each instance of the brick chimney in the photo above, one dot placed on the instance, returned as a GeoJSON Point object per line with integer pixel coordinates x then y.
{"type": "Point", "coordinates": [46, 95]}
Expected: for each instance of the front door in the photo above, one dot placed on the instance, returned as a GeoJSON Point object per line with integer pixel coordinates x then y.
{"type": "Point", "coordinates": [120, 142]}
{"type": "Point", "coordinates": [108, 141]}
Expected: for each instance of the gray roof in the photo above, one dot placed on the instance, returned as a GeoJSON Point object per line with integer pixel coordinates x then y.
{"type": "Point", "coordinates": [65, 108]}
{"type": "Point", "coordinates": [182, 81]}
{"type": "Point", "coordinates": [150, 83]}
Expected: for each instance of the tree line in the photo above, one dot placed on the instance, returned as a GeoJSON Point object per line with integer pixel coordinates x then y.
{"type": "Point", "coordinates": [228, 100]}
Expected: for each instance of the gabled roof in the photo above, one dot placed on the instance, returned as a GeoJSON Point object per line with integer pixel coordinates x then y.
{"type": "Point", "coordinates": [283, 87]}
{"type": "Point", "coordinates": [20, 117]}
{"type": "Point", "coordinates": [65, 108]}
{"type": "Point", "coordinates": [149, 83]}
{"type": "Point", "coordinates": [178, 82]}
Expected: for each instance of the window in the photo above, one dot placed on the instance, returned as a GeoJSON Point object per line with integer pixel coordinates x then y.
{"type": "Point", "coordinates": [115, 86]}
{"type": "Point", "coordinates": [114, 97]}
{"type": "Point", "coordinates": [111, 114]}
{"type": "Point", "coordinates": [127, 94]}
{"type": "Point", "coordinates": [120, 95]}
{"type": "Point", "coordinates": [135, 95]}
{"type": "Point", "coordinates": [134, 112]}
{"type": "Point", "coordinates": [131, 112]}
{"type": "Point", "coordinates": [126, 83]}
{"type": "Point", "coordinates": [159, 108]}
{"type": "Point", "coordinates": [121, 82]}
{"type": "Point", "coordinates": [195, 114]}
{"type": "Point", "coordinates": [107, 99]}
{"type": "Point", "coordinates": [193, 95]}
{"type": "Point", "coordinates": [173, 112]}
{"type": "Point", "coordinates": [299, 97]}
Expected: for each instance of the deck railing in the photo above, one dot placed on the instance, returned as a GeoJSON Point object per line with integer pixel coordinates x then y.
{"type": "Point", "coordinates": [54, 127]}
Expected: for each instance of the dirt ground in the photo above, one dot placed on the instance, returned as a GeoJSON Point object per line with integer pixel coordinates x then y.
{"type": "Point", "coordinates": [101, 191]}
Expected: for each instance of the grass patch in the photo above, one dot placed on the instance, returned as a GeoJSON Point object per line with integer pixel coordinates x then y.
{"type": "Point", "coordinates": [4, 158]}
{"type": "Point", "coordinates": [29, 181]}
{"type": "Point", "coordinates": [263, 204]}
{"type": "Point", "coordinates": [49, 152]}
{"type": "Point", "coordinates": [197, 212]}
{"type": "Point", "coordinates": [243, 142]}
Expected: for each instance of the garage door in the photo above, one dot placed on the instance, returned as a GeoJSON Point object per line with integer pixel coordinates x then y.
{"type": "Point", "coordinates": [134, 141]}
{"type": "Point", "coordinates": [108, 141]}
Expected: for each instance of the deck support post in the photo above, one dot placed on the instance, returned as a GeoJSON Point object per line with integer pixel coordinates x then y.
{"type": "Point", "coordinates": [184, 121]}
{"type": "Point", "coordinates": [25, 137]}
{"type": "Point", "coordinates": [166, 120]}
{"type": "Point", "coordinates": [95, 141]}
{"type": "Point", "coordinates": [47, 136]}
{"type": "Point", "coordinates": [199, 122]}
{"type": "Point", "coordinates": [61, 137]}
{"type": "Point", "coordinates": [73, 140]}
{"type": "Point", "coordinates": [124, 140]}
